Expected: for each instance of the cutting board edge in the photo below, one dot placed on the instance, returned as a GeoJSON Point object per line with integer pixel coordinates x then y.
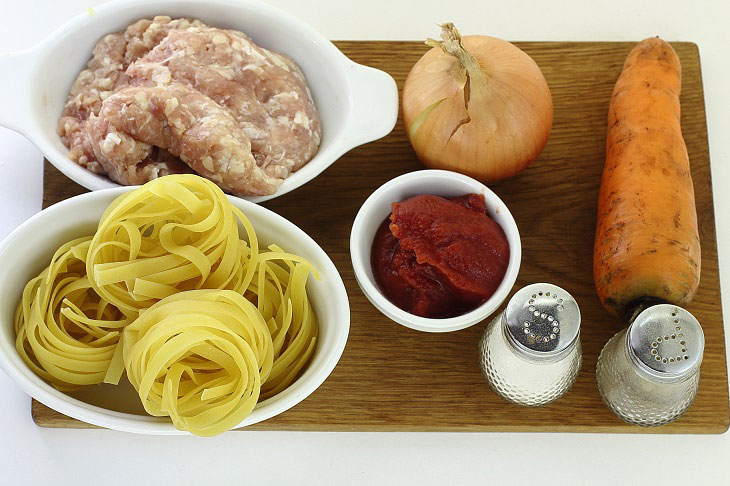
{"type": "Point", "coordinates": [45, 417]}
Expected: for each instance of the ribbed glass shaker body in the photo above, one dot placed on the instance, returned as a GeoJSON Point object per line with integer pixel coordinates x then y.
{"type": "Point", "coordinates": [541, 363]}
{"type": "Point", "coordinates": [648, 374]}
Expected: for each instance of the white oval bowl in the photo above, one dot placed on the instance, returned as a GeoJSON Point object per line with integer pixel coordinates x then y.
{"type": "Point", "coordinates": [28, 249]}
{"type": "Point", "coordinates": [377, 207]}
{"type": "Point", "coordinates": [356, 104]}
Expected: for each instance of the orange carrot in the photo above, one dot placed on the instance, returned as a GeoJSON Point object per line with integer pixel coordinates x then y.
{"type": "Point", "coordinates": [647, 247]}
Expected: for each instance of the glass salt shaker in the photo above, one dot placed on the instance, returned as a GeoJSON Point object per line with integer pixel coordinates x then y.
{"type": "Point", "coordinates": [531, 353]}
{"type": "Point", "coordinates": [648, 374]}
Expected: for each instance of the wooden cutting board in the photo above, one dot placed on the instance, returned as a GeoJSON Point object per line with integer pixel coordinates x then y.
{"type": "Point", "coordinates": [394, 379]}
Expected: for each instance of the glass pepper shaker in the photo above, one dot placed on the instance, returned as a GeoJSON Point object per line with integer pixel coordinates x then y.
{"type": "Point", "coordinates": [531, 353]}
{"type": "Point", "coordinates": [648, 374]}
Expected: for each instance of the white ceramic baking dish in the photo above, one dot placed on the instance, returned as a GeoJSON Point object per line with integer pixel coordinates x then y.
{"type": "Point", "coordinates": [356, 104]}
{"type": "Point", "coordinates": [28, 249]}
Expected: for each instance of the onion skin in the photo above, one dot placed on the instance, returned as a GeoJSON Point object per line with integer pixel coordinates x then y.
{"type": "Point", "coordinates": [503, 127]}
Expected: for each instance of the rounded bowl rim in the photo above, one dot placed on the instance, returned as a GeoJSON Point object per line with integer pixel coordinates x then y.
{"type": "Point", "coordinates": [404, 318]}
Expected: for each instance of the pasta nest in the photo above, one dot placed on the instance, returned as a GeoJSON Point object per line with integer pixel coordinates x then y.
{"type": "Point", "coordinates": [65, 332]}
{"type": "Point", "coordinates": [175, 233]}
{"type": "Point", "coordinates": [200, 357]}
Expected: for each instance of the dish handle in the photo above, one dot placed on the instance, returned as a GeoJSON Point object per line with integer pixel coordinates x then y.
{"type": "Point", "coordinates": [374, 97]}
{"type": "Point", "coordinates": [16, 103]}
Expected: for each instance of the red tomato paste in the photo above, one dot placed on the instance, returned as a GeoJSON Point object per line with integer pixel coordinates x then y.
{"type": "Point", "coordinates": [437, 257]}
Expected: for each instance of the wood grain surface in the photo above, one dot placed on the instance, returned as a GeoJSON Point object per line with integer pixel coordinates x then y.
{"type": "Point", "coordinates": [394, 379]}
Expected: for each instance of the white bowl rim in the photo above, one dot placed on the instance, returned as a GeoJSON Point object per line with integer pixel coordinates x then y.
{"type": "Point", "coordinates": [404, 318]}
{"type": "Point", "coordinates": [37, 388]}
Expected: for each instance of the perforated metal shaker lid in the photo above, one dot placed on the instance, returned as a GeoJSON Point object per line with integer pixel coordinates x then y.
{"type": "Point", "coordinates": [542, 320]}
{"type": "Point", "coordinates": [666, 342]}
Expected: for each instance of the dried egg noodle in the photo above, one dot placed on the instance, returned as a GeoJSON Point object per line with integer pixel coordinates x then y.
{"type": "Point", "coordinates": [174, 233]}
{"type": "Point", "coordinates": [212, 324]}
{"type": "Point", "coordinates": [64, 331]}
{"type": "Point", "coordinates": [200, 357]}
{"type": "Point", "coordinates": [282, 299]}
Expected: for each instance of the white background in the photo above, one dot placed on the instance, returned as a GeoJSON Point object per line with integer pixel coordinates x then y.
{"type": "Point", "coordinates": [29, 454]}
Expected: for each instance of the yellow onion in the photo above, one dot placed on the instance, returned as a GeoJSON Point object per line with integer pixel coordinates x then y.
{"type": "Point", "coordinates": [477, 105]}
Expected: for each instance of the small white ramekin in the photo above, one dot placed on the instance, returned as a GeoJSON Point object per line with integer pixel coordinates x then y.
{"type": "Point", "coordinates": [356, 104]}
{"type": "Point", "coordinates": [28, 249]}
{"type": "Point", "coordinates": [441, 183]}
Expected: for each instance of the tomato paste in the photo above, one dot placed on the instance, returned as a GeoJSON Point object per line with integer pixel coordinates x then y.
{"type": "Point", "coordinates": [438, 257]}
